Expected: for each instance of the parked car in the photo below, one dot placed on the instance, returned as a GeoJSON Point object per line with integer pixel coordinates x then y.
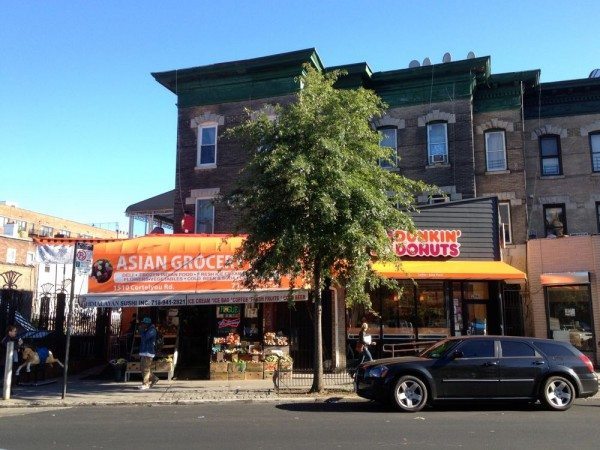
{"type": "Point", "coordinates": [481, 368]}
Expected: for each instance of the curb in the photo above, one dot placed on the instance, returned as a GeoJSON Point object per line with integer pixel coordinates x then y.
{"type": "Point", "coordinates": [150, 403]}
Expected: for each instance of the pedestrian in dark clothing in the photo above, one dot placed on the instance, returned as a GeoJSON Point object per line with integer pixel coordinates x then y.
{"type": "Point", "coordinates": [147, 351]}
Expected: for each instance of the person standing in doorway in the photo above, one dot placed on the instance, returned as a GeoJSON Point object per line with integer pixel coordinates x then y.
{"type": "Point", "coordinates": [147, 351]}
{"type": "Point", "coordinates": [364, 338]}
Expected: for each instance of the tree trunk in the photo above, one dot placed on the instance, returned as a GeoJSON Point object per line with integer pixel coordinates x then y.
{"type": "Point", "coordinates": [317, 385]}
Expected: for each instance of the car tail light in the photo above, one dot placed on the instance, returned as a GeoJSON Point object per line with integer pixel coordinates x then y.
{"type": "Point", "coordinates": [587, 362]}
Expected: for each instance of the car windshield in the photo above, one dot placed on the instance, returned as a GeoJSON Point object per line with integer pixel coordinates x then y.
{"type": "Point", "coordinates": [437, 350]}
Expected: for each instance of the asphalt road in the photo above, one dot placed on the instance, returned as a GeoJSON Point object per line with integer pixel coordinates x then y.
{"type": "Point", "coordinates": [347, 425]}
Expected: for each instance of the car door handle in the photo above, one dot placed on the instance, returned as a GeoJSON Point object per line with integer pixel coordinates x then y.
{"type": "Point", "coordinates": [539, 363]}
{"type": "Point", "coordinates": [490, 363]}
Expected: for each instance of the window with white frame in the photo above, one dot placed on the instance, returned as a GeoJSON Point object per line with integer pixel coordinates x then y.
{"type": "Point", "coordinates": [437, 142]}
{"type": "Point", "coordinates": [207, 145]}
{"type": "Point", "coordinates": [30, 258]}
{"type": "Point", "coordinates": [11, 255]}
{"type": "Point", "coordinates": [205, 215]}
{"type": "Point", "coordinates": [550, 155]}
{"type": "Point", "coordinates": [46, 230]}
{"type": "Point", "coordinates": [505, 224]}
{"type": "Point", "coordinates": [389, 140]}
{"type": "Point", "coordinates": [595, 149]}
{"type": "Point", "coordinates": [495, 150]}
{"type": "Point", "coordinates": [65, 233]}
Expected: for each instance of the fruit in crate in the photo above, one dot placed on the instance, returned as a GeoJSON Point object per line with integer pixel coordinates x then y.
{"type": "Point", "coordinates": [220, 340]}
{"type": "Point", "coordinates": [232, 339]}
{"type": "Point", "coordinates": [273, 339]}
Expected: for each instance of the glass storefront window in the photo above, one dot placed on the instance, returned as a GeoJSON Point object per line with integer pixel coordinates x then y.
{"type": "Point", "coordinates": [397, 313]}
{"type": "Point", "coordinates": [433, 317]}
{"type": "Point", "coordinates": [570, 315]}
{"type": "Point", "coordinates": [476, 290]}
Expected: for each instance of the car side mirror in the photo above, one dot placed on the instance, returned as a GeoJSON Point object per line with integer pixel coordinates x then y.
{"type": "Point", "coordinates": [457, 354]}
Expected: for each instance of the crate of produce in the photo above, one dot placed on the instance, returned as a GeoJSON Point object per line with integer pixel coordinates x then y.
{"type": "Point", "coordinates": [236, 375]}
{"type": "Point", "coordinates": [238, 366]}
{"type": "Point", "coordinates": [254, 375]}
{"type": "Point", "coordinates": [133, 366]}
{"type": "Point", "coordinates": [162, 366]}
{"type": "Point", "coordinates": [252, 366]}
{"type": "Point", "coordinates": [268, 374]}
{"type": "Point", "coordinates": [221, 376]}
{"type": "Point", "coordinates": [270, 365]}
{"type": "Point", "coordinates": [218, 367]}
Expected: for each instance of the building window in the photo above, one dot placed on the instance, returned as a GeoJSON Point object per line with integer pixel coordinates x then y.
{"type": "Point", "coordinates": [45, 231]}
{"type": "Point", "coordinates": [21, 225]}
{"type": "Point", "coordinates": [595, 149]}
{"type": "Point", "coordinates": [495, 150]}
{"type": "Point", "coordinates": [555, 220]}
{"type": "Point", "coordinates": [11, 255]}
{"type": "Point", "coordinates": [205, 216]}
{"type": "Point", "coordinates": [505, 224]}
{"type": "Point", "coordinates": [207, 145]}
{"type": "Point", "coordinates": [550, 155]}
{"type": "Point", "coordinates": [437, 143]}
{"type": "Point", "coordinates": [389, 140]}
{"type": "Point", "coordinates": [570, 315]}
{"type": "Point", "coordinates": [65, 233]}
{"type": "Point", "coordinates": [30, 258]}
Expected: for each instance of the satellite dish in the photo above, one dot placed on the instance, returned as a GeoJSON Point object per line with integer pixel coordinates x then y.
{"type": "Point", "coordinates": [470, 55]}
{"type": "Point", "coordinates": [447, 57]}
{"type": "Point", "coordinates": [414, 63]}
{"type": "Point", "coordinates": [595, 73]}
{"type": "Point", "coordinates": [426, 62]}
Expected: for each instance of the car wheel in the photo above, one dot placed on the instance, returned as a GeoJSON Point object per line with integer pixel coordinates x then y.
{"type": "Point", "coordinates": [559, 393]}
{"type": "Point", "coordinates": [410, 394]}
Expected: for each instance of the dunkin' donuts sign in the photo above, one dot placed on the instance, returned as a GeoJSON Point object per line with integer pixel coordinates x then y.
{"type": "Point", "coordinates": [427, 243]}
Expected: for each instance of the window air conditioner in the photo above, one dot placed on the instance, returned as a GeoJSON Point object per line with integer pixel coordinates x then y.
{"type": "Point", "coordinates": [438, 158]}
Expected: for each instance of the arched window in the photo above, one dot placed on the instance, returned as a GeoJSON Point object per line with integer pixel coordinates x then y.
{"type": "Point", "coordinates": [595, 150]}
{"type": "Point", "coordinates": [495, 150]}
{"type": "Point", "coordinates": [550, 159]}
{"type": "Point", "coordinates": [389, 140]}
{"type": "Point", "coordinates": [437, 142]}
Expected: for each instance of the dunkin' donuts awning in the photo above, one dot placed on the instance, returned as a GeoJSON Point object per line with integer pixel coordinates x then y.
{"type": "Point", "coordinates": [449, 270]}
{"type": "Point", "coordinates": [174, 270]}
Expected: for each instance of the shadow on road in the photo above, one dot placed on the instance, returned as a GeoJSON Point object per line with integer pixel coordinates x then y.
{"type": "Point", "coordinates": [335, 406]}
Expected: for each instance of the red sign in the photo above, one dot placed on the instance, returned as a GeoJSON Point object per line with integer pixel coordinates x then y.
{"type": "Point", "coordinates": [427, 243]}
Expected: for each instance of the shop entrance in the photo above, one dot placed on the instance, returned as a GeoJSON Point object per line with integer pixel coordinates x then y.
{"type": "Point", "coordinates": [195, 331]}
{"type": "Point", "coordinates": [470, 300]}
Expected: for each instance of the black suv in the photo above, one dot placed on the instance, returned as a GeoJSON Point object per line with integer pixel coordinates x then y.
{"type": "Point", "coordinates": [478, 368]}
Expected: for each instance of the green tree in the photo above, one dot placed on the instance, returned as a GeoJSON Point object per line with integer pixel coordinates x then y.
{"type": "Point", "coordinates": [313, 199]}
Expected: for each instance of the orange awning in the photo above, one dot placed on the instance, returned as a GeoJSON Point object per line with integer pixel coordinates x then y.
{"type": "Point", "coordinates": [449, 270]}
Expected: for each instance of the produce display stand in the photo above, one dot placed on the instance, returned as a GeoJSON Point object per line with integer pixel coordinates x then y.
{"type": "Point", "coordinates": [236, 359]}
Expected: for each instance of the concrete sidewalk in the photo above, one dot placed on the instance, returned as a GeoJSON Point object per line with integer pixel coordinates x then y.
{"type": "Point", "coordinates": [103, 392]}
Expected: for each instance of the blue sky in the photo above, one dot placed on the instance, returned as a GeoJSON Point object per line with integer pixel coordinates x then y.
{"type": "Point", "coordinates": [85, 130]}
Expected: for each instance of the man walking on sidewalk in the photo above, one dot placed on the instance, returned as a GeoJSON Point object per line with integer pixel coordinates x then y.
{"type": "Point", "coordinates": [147, 351]}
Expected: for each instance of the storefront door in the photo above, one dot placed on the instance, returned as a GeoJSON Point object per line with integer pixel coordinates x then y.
{"type": "Point", "coordinates": [196, 324]}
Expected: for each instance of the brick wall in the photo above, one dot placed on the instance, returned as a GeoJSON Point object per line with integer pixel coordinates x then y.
{"type": "Point", "coordinates": [38, 220]}
{"type": "Point", "coordinates": [22, 247]}
{"type": "Point", "coordinates": [231, 158]}
{"type": "Point", "coordinates": [412, 146]}
{"type": "Point", "coordinates": [578, 188]}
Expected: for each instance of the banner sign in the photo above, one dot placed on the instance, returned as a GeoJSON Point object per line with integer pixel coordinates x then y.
{"type": "Point", "coordinates": [169, 263]}
{"type": "Point", "coordinates": [183, 299]}
{"type": "Point", "coordinates": [427, 243]}
{"type": "Point", "coordinates": [54, 254]}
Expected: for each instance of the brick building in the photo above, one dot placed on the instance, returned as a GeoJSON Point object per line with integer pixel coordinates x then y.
{"type": "Point", "coordinates": [18, 267]}
{"type": "Point", "coordinates": [474, 133]}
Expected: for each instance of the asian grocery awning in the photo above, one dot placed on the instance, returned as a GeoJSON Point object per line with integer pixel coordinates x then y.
{"type": "Point", "coordinates": [449, 270]}
{"type": "Point", "coordinates": [175, 270]}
